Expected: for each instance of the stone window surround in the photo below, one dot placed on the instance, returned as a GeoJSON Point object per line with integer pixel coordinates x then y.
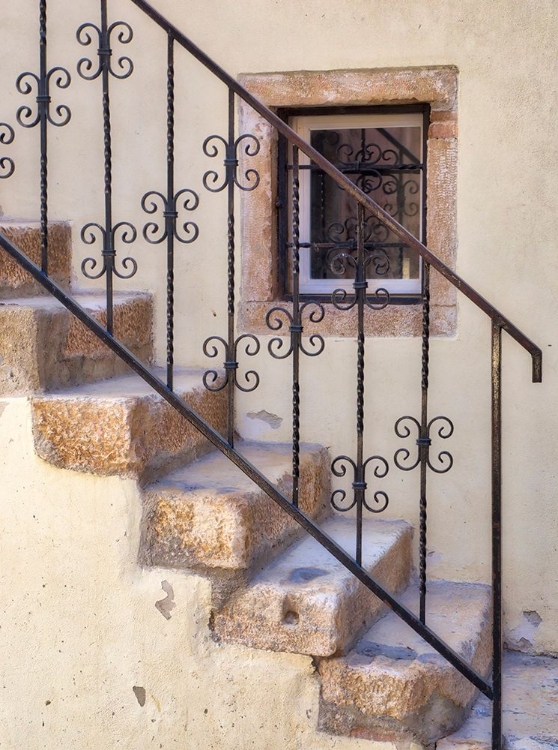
{"type": "Point", "coordinates": [260, 282]}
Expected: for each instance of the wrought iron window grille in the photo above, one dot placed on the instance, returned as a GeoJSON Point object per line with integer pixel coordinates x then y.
{"type": "Point", "coordinates": [365, 144]}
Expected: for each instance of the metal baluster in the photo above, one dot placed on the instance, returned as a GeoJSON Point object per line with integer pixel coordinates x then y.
{"type": "Point", "coordinates": [497, 535]}
{"type": "Point", "coordinates": [42, 82]}
{"type": "Point", "coordinates": [171, 213]}
{"type": "Point", "coordinates": [424, 441]}
{"type": "Point", "coordinates": [231, 363]}
{"type": "Point", "coordinates": [43, 101]}
{"type": "Point", "coordinates": [360, 283]}
{"type": "Point", "coordinates": [108, 252]}
{"type": "Point", "coordinates": [296, 327]}
{"type": "Point", "coordinates": [109, 231]}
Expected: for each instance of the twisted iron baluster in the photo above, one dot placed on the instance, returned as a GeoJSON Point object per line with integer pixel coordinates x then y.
{"type": "Point", "coordinates": [424, 439]}
{"type": "Point", "coordinates": [231, 180]}
{"type": "Point", "coordinates": [170, 216]}
{"type": "Point", "coordinates": [296, 326]}
{"type": "Point", "coordinates": [231, 364]}
{"type": "Point", "coordinates": [109, 231]}
{"type": "Point", "coordinates": [25, 118]}
{"type": "Point", "coordinates": [359, 466]}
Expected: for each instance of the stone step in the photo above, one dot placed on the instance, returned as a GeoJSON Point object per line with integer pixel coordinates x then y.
{"type": "Point", "coordinates": [530, 709]}
{"type": "Point", "coordinates": [121, 426]}
{"type": "Point", "coordinates": [307, 602]}
{"type": "Point", "coordinates": [73, 355]}
{"type": "Point", "coordinates": [394, 686]}
{"type": "Point", "coordinates": [211, 516]}
{"type": "Point", "coordinates": [26, 236]}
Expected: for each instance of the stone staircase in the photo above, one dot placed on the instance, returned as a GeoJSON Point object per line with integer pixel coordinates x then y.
{"type": "Point", "coordinates": [272, 588]}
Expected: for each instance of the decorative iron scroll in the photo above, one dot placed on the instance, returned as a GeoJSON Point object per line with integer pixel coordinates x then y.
{"type": "Point", "coordinates": [211, 378]}
{"type": "Point", "coordinates": [251, 177]}
{"type": "Point", "coordinates": [423, 441]}
{"type": "Point", "coordinates": [7, 137]}
{"type": "Point", "coordinates": [359, 484]}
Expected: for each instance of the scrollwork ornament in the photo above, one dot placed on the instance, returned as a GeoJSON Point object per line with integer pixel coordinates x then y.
{"type": "Point", "coordinates": [444, 429]}
{"type": "Point", "coordinates": [185, 232]}
{"type": "Point", "coordinates": [211, 379]}
{"type": "Point", "coordinates": [122, 232]}
{"type": "Point", "coordinates": [28, 82]}
{"type": "Point", "coordinates": [214, 145]}
{"type": "Point", "coordinates": [339, 469]}
{"type": "Point", "coordinates": [278, 318]}
{"type": "Point", "coordinates": [85, 35]}
{"type": "Point", "coordinates": [7, 137]}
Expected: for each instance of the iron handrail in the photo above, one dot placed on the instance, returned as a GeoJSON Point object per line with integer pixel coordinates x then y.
{"type": "Point", "coordinates": [355, 192]}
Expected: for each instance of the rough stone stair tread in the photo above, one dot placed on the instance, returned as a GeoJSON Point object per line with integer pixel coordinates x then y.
{"type": "Point", "coordinates": [216, 473]}
{"type": "Point", "coordinates": [444, 599]}
{"type": "Point", "coordinates": [209, 515]}
{"type": "Point", "coordinates": [307, 602]}
{"type": "Point", "coordinates": [130, 386]}
{"type": "Point", "coordinates": [393, 685]}
{"type": "Point", "coordinates": [530, 709]}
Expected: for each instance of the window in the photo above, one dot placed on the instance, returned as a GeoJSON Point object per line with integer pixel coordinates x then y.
{"type": "Point", "coordinates": [431, 91]}
{"type": "Point", "coordinates": [383, 152]}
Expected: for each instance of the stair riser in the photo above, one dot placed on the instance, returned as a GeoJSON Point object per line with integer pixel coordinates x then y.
{"type": "Point", "coordinates": [14, 281]}
{"type": "Point", "coordinates": [228, 531]}
{"type": "Point", "coordinates": [73, 355]}
{"type": "Point", "coordinates": [136, 437]}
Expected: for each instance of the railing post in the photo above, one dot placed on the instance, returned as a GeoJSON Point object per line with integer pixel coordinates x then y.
{"type": "Point", "coordinates": [497, 535]}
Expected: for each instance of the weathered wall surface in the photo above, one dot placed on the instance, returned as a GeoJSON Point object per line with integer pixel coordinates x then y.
{"type": "Point", "coordinates": [98, 653]}
{"type": "Point", "coordinates": [507, 227]}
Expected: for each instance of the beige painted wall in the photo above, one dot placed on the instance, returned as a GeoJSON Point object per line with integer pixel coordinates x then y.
{"type": "Point", "coordinates": [507, 228]}
{"type": "Point", "coordinates": [80, 630]}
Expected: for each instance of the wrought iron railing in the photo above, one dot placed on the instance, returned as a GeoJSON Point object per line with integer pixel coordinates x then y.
{"type": "Point", "coordinates": [285, 318]}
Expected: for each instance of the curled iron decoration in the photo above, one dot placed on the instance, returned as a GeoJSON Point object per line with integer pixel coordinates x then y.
{"type": "Point", "coordinates": [123, 231]}
{"type": "Point", "coordinates": [400, 188]}
{"type": "Point", "coordinates": [27, 82]}
{"type": "Point", "coordinates": [444, 429]}
{"type": "Point", "coordinates": [213, 145]}
{"type": "Point", "coordinates": [338, 497]}
{"type": "Point", "coordinates": [211, 378]}
{"type": "Point", "coordinates": [7, 165]}
{"type": "Point", "coordinates": [85, 35]}
{"type": "Point", "coordinates": [185, 199]}
{"type": "Point", "coordinates": [279, 317]}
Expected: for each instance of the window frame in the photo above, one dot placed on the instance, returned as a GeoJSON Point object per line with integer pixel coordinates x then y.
{"type": "Point", "coordinates": [261, 278]}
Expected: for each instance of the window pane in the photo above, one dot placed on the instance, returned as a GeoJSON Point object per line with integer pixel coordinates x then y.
{"type": "Point", "coordinates": [386, 164]}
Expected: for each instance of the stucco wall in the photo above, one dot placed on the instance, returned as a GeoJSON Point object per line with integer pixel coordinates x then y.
{"type": "Point", "coordinates": [507, 227]}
